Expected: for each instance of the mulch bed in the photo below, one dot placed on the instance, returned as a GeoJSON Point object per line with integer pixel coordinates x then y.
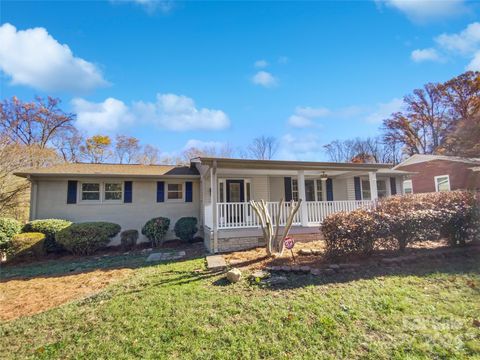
{"type": "Point", "coordinates": [257, 258]}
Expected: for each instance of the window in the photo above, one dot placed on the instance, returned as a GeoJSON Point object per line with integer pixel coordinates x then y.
{"type": "Point", "coordinates": [407, 187]}
{"type": "Point", "coordinates": [319, 190]}
{"type": "Point", "coordinates": [113, 191]}
{"type": "Point", "coordinates": [295, 189]}
{"type": "Point", "coordinates": [366, 194]}
{"type": "Point", "coordinates": [91, 191]}
{"type": "Point", "coordinates": [174, 191]}
{"type": "Point", "coordinates": [382, 188]}
{"type": "Point", "coordinates": [442, 183]}
{"type": "Point", "coordinates": [310, 190]}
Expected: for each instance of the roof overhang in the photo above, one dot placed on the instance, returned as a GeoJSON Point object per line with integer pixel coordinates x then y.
{"type": "Point", "coordinates": [287, 165]}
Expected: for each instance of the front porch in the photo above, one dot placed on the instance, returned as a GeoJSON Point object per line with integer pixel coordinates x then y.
{"type": "Point", "coordinates": [241, 215]}
{"type": "Point", "coordinates": [228, 185]}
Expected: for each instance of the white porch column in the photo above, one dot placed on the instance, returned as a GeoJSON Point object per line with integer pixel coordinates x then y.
{"type": "Point", "coordinates": [213, 198]}
{"type": "Point", "coordinates": [372, 176]}
{"type": "Point", "coordinates": [301, 195]}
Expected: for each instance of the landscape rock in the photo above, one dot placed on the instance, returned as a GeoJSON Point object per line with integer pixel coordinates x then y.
{"type": "Point", "coordinates": [316, 272]}
{"type": "Point", "coordinates": [260, 274]}
{"type": "Point", "coordinates": [305, 252]}
{"type": "Point", "coordinates": [277, 280]}
{"type": "Point", "coordinates": [234, 275]}
{"type": "Point", "coordinates": [329, 272]}
{"type": "Point", "coordinates": [286, 268]}
{"type": "Point", "coordinates": [334, 267]}
{"type": "Point", "coordinates": [305, 268]}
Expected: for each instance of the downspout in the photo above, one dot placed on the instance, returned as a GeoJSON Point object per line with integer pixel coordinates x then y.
{"type": "Point", "coordinates": [213, 186]}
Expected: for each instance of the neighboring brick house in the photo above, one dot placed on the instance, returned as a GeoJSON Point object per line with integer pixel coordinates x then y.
{"type": "Point", "coordinates": [440, 173]}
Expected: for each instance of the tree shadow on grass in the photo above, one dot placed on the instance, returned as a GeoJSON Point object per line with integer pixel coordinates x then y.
{"type": "Point", "coordinates": [78, 265]}
{"type": "Point", "coordinates": [460, 263]}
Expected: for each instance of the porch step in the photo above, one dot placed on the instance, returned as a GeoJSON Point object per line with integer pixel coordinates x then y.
{"type": "Point", "coordinates": [216, 262]}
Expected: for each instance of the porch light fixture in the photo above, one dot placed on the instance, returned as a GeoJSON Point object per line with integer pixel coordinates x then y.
{"type": "Point", "coordinates": [323, 176]}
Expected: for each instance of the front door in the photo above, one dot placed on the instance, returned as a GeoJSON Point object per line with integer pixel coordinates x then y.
{"type": "Point", "coordinates": [235, 194]}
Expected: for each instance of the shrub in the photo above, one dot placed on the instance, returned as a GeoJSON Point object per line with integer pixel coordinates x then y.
{"type": "Point", "coordinates": [48, 227]}
{"type": "Point", "coordinates": [186, 228]}
{"type": "Point", "coordinates": [24, 244]}
{"type": "Point", "coordinates": [8, 229]}
{"type": "Point", "coordinates": [155, 230]}
{"type": "Point", "coordinates": [86, 238]}
{"type": "Point", "coordinates": [404, 219]}
{"type": "Point", "coordinates": [352, 233]}
{"type": "Point", "coordinates": [128, 239]}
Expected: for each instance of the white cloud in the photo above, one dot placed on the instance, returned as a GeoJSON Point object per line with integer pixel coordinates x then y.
{"type": "Point", "coordinates": [34, 58]}
{"type": "Point", "coordinates": [170, 111]}
{"type": "Point", "coordinates": [474, 64]}
{"type": "Point", "coordinates": [426, 10]}
{"type": "Point", "coordinates": [151, 6]}
{"type": "Point", "coordinates": [465, 42]}
{"type": "Point", "coordinates": [384, 110]}
{"type": "Point", "coordinates": [265, 79]}
{"type": "Point", "coordinates": [200, 144]}
{"type": "Point", "coordinates": [283, 60]}
{"type": "Point", "coordinates": [260, 64]}
{"type": "Point", "coordinates": [109, 115]}
{"type": "Point", "coordinates": [179, 113]}
{"type": "Point", "coordinates": [303, 147]}
{"type": "Point", "coordinates": [305, 116]}
{"type": "Point", "coordinates": [421, 55]}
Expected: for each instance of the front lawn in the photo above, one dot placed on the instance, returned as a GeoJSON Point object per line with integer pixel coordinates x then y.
{"type": "Point", "coordinates": [179, 311]}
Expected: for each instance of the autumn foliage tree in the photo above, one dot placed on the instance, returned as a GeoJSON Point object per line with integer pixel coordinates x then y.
{"type": "Point", "coordinates": [440, 118]}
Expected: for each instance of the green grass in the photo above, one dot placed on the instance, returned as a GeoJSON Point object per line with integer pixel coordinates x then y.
{"type": "Point", "coordinates": [172, 311]}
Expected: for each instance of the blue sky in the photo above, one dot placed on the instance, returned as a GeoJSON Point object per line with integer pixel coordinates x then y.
{"type": "Point", "coordinates": [180, 73]}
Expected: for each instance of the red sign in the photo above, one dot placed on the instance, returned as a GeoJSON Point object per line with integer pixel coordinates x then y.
{"type": "Point", "coordinates": [289, 243]}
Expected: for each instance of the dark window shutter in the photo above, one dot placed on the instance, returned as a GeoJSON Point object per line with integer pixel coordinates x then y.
{"type": "Point", "coordinates": [393, 186]}
{"type": "Point", "coordinates": [72, 192]}
{"type": "Point", "coordinates": [160, 191]}
{"type": "Point", "coordinates": [329, 190]}
{"type": "Point", "coordinates": [288, 188]}
{"type": "Point", "coordinates": [127, 196]}
{"type": "Point", "coordinates": [188, 191]}
{"type": "Point", "coordinates": [358, 189]}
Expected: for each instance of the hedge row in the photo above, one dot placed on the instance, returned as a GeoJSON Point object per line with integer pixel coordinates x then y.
{"type": "Point", "coordinates": [402, 220]}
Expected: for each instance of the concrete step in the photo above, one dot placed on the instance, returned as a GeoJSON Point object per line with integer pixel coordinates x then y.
{"type": "Point", "coordinates": [216, 263]}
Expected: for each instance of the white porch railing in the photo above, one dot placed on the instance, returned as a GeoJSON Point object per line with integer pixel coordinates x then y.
{"type": "Point", "coordinates": [241, 215]}
{"type": "Point", "coordinates": [319, 210]}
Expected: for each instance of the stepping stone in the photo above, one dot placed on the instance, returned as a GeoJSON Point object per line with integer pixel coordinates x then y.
{"type": "Point", "coordinates": [163, 256]}
{"type": "Point", "coordinates": [305, 252]}
{"type": "Point", "coordinates": [276, 280]}
{"type": "Point", "coordinates": [216, 262]}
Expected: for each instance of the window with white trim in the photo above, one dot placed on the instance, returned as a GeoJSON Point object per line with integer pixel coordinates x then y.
{"type": "Point", "coordinates": [295, 189]}
{"type": "Point", "coordinates": [90, 191]}
{"type": "Point", "coordinates": [113, 191]}
{"type": "Point", "coordinates": [442, 183]}
{"type": "Point", "coordinates": [407, 187]}
{"type": "Point", "coordinates": [174, 191]}
{"type": "Point", "coordinates": [381, 189]}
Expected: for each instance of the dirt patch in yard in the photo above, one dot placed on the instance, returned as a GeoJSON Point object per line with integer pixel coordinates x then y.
{"type": "Point", "coordinates": [28, 296]}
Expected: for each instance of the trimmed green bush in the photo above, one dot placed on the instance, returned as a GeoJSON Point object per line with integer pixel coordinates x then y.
{"type": "Point", "coordinates": [86, 238]}
{"type": "Point", "coordinates": [128, 239]}
{"type": "Point", "coordinates": [155, 230]}
{"type": "Point", "coordinates": [26, 244]}
{"type": "Point", "coordinates": [49, 227]}
{"type": "Point", "coordinates": [186, 228]}
{"type": "Point", "coordinates": [8, 229]}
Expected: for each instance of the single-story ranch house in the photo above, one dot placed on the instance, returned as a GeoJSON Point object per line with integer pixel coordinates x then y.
{"type": "Point", "coordinates": [216, 191]}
